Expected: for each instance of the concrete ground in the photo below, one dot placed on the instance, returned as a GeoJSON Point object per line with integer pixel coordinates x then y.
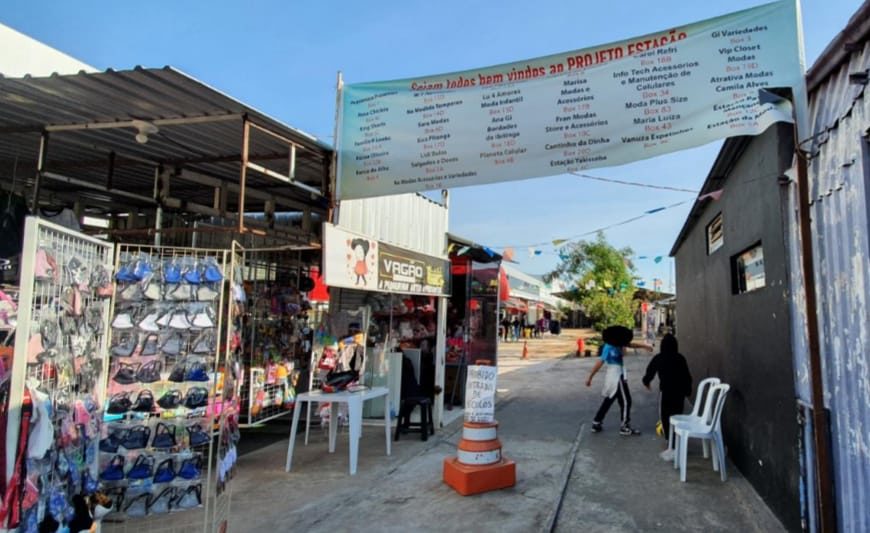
{"type": "Point", "coordinates": [544, 409]}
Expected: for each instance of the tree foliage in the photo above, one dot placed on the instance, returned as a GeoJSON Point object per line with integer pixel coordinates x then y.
{"type": "Point", "coordinates": [601, 280]}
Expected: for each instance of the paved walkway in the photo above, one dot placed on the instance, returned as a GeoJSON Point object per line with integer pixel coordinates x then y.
{"type": "Point", "coordinates": [618, 483]}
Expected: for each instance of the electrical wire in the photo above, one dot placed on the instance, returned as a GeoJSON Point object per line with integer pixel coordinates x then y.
{"type": "Point", "coordinates": [632, 183]}
{"type": "Point", "coordinates": [594, 231]}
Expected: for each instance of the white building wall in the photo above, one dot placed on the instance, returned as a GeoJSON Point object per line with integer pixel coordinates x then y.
{"type": "Point", "coordinates": [24, 55]}
{"type": "Point", "coordinates": [409, 221]}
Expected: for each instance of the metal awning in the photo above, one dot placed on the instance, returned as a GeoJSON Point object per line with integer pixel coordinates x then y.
{"type": "Point", "coordinates": [515, 303]}
{"type": "Point", "coordinates": [87, 126]}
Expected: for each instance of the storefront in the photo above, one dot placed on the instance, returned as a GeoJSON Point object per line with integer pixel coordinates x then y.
{"type": "Point", "coordinates": [398, 295]}
{"type": "Point", "coordinates": [472, 315]}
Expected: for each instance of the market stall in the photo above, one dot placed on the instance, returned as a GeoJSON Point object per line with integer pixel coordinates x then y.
{"type": "Point", "coordinates": [130, 336]}
{"type": "Point", "coordinates": [401, 291]}
{"type": "Point", "coordinates": [473, 314]}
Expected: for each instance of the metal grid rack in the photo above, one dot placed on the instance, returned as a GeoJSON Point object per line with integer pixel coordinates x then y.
{"type": "Point", "coordinates": [60, 346]}
{"type": "Point", "coordinates": [271, 336]}
{"type": "Point", "coordinates": [214, 418]}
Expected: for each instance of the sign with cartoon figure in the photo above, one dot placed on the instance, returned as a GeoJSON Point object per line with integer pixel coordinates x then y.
{"type": "Point", "coordinates": [350, 261]}
{"type": "Point", "coordinates": [357, 262]}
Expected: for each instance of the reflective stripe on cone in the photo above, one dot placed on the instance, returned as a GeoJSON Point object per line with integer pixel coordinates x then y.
{"type": "Point", "coordinates": [479, 431]}
{"type": "Point", "coordinates": [472, 452]}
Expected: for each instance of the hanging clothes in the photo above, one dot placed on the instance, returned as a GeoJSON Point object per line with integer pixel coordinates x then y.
{"type": "Point", "coordinates": [10, 511]}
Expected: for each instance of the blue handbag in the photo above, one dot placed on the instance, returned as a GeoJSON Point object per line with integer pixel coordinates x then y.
{"type": "Point", "coordinates": [143, 468]}
{"type": "Point", "coordinates": [114, 471]}
{"type": "Point", "coordinates": [165, 472]}
{"type": "Point", "coordinates": [163, 437]}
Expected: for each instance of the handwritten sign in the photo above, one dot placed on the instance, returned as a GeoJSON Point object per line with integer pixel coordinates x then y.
{"type": "Point", "coordinates": [480, 394]}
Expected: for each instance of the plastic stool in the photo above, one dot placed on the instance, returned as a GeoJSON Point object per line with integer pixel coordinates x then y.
{"type": "Point", "coordinates": [426, 426]}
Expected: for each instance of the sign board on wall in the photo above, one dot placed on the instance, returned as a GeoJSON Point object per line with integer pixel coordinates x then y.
{"type": "Point", "coordinates": [602, 106]}
{"type": "Point", "coordinates": [480, 393]}
{"type": "Point", "coordinates": [354, 261]}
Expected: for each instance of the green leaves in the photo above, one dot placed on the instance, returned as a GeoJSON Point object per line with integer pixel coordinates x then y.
{"type": "Point", "coordinates": [602, 279]}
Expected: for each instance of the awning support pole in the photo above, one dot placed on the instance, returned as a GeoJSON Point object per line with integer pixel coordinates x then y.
{"type": "Point", "coordinates": [246, 138]}
{"type": "Point", "coordinates": [40, 166]}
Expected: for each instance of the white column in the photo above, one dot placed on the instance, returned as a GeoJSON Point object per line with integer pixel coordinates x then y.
{"type": "Point", "coordinates": [440, 360]}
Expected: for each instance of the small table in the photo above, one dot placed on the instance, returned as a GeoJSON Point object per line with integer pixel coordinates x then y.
{"type": "Point", "coordinates": [354, 401]}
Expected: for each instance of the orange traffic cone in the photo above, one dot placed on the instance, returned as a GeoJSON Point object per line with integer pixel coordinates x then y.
{"type": "Point", "coordinates": [479, 465]}
{"type": "Point", "coordinates": [525, 350]}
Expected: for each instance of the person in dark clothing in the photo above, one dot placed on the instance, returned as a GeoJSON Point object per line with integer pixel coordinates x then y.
{"type": "Point", "coordinates": [675, 382]}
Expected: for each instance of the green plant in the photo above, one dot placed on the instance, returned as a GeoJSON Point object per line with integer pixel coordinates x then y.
{"type": "Point", "coordinates": [601, 280]}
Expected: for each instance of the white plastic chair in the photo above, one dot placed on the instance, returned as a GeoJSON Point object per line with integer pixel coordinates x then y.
{"type": "Point", "coordinates": [697, 409]}
{"type": "Point", "coordinates": [708, 428]}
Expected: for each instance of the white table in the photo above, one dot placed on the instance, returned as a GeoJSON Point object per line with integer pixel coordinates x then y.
{"type": "Point", "coordinates": [354, 401]}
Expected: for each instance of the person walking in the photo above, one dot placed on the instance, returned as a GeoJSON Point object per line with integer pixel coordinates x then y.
{"type": "Point", "coordinates": [675, 383]}
{"type": "Point", "coordinates": [615, 385]}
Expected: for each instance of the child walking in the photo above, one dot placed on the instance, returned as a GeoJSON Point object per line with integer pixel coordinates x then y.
{"type": "Point", "coordinates": [615, 388]}
{"type": "Point", "coordinates": [675, 383]}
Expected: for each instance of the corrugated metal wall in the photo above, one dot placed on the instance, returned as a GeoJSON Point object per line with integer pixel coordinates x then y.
{"type": "Point", "coordinates": [839, 171]}
{"type": "Point", "coordinates": [411, 221]}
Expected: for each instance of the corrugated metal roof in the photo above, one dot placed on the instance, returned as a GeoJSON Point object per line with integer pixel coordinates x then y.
{"type": "Point", "coordinates": [203, 133]}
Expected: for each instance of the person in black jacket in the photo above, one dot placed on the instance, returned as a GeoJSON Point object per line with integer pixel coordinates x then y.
{"type": "Point", "coordinates": [675, 381]}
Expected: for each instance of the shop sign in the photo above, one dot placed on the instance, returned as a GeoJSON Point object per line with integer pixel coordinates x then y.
{"type": "Point", "coordinates": [411, 272]}
{"type": "Point", "coordinates": [480, 393]}
{"type": "Point", "coordinates": [601, 106]}
{"type": "Point", "coordinates": [357, 262]}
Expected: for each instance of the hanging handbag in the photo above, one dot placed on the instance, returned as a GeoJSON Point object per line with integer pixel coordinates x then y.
{"type": "Point", "coordinates": [170, 399]}
{"type": "Point", "coordinates": [163, 437]}
{"type": "Point", "coordinates": [197, 436]}
{"type": "Point", "coordinates": [119, 403]}
{"type": "Point", "coordinates": [136, 438]}
{"type": "Point", "coordinates": [191, 468]}
{"type": "Point", "coordinates": [126, 373]}
{"type": "Point", "coordinates": [196, 397]}
{"type": "Point", "coordinates": [150, 372]}
{"type": "Point", "coordinates": [144, 402]}
{"type": "Point", "coordinates": [189, 498]}
{"type": "Point", "coordinates": [165, 471]}
{"type": "Point", "coordinates": [143, 468]}
{"type": "Point", "coordinates": [114, 471]}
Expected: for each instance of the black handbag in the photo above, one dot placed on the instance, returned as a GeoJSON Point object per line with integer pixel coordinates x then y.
{"type": "Point", "coordinates": [336, 381]}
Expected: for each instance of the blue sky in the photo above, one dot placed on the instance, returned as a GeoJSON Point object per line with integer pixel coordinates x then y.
{"type": "Point", "coordinates": [282, 57]}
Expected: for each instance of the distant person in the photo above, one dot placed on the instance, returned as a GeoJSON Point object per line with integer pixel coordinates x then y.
{"type": "Point", "coordinates": [515, 328]}
{"type": "Point", "coordinates": [675, 383]}
{"type": "Point", "coordinates": [615, 387]}
{"type": "Point", "coordinates": [505, 327]}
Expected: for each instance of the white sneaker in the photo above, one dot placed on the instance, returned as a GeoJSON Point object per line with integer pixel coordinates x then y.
{"type": "Point", "coordinates": [667, 455]}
